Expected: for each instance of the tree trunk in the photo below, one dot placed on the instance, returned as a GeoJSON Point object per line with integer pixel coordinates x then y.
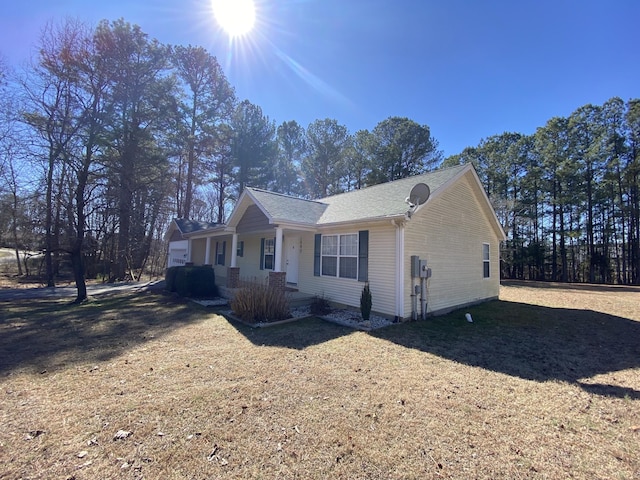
{"type": "Point", "coordinates": [77, 265]}
{"type": "Point", "coordinates": [14, 231]}
{"type": "Point", "coordinates": [48, 225]}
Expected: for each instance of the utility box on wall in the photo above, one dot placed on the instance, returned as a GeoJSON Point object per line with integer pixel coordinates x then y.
{"type": "Point", "coordinates": [419, 268]}
{"type": "Point", "coordinates": [425, 272]}
{"type": "Point", "coordinates": [415, 266]}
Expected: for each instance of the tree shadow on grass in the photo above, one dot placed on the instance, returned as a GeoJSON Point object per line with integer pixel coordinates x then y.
{"type": "Point", "coordinates": [297, 335]}
{"type": "Point", "coordinates": [45, 335]}
{"type": "Point", "coordinates": [531, 342]}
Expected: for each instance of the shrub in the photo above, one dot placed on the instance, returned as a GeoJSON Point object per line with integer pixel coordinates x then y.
{"type": "Point", "coordinates": [319, 306]}
{"type": "Point", "coordinates": [365, 302]}
{"type": "Point", "coordinates": [189, 281]}
{"type": "Point", "coordinates": [180, 282]}
{"type": "Point", "coordinates": [170, 279]}
{"type": "Point", "coordinates": [257, 302]}
{"type": "Point", "coordinates": [201, 282]}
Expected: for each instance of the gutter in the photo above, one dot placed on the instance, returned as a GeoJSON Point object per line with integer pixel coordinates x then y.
{"type": "Point", "coordinates": [394, 218]}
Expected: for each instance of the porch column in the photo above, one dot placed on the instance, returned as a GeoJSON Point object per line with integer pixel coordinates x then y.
{"type": "Point", "coordinates": [234, 250]}
{"type": "Point", "coordinates": [277, 267]}
{"type": "Point", "coordinates": [207, 252]}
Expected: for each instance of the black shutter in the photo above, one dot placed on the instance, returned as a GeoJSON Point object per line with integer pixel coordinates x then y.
{"type": "Point", "coordinates": [363, 256]}
{"type": "Point", "coordinates": [224, 252]}
{"type": "Point", "coordinates": [215, 258]}
{"type": "Point", "coordinates": [316, 254]}
{"type": "Point", "coordinates": [262, 254]}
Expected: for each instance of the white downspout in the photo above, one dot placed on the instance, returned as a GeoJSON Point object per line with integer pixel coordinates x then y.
{"type": "Point", "coordinates": [399, 270]}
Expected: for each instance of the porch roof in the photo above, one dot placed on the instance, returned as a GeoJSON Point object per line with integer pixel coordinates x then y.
{"type": "Point", "coordinates": [187, 226]}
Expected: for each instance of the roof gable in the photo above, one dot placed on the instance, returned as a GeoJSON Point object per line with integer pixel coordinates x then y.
{"type": "Point", "coordinates": [278, 208]}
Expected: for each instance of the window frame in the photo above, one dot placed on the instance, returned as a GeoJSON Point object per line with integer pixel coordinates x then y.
{"type": "Point", "coordinates": [338, 254]}
{"type": "Point", "coordinates": [221, 252]}
{"type": "Point", "coordinates": [486, 260]}
{"type": "Point", "coordinates": [269, 244]}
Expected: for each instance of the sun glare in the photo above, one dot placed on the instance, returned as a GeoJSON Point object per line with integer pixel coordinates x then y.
{"type": "Point", "coordinates": [236, 17]}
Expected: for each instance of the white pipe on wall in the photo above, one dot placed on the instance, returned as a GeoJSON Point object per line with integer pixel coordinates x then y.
{"type": "Point", "coordinates": [399, 270]}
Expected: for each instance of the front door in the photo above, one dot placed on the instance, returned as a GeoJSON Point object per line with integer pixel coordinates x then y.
{"type": "Point", "coordinates": [291, 258]}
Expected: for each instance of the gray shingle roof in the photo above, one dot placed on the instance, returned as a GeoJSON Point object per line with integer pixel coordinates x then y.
{"type": "Point", "coordinates": [380, 201]}
{"type": "Point", "coordinates": [375, 202]}
{"type": "Point", "coordinates": [290, 209]}
{"type": "Point", "coordinates": [191, 226]}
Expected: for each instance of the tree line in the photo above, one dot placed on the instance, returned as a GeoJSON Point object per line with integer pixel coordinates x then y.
{"type": "Point", "coordinates": [108, 134]}
{"type": "Point", "coordinates": [568, 196]}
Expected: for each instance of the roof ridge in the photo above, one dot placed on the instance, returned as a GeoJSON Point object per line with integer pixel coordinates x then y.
{"type": "Point", "coordinates": [256, 189]}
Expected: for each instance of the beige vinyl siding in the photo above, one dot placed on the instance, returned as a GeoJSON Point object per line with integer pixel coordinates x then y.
{"type": "Point", "coordinates": [249, 263]}
{"type": "Point", "coordinates": [198, 250]}
{"type": "Point", "coordinates": [348, 291]}
{"type": "Point", "coordinates": [449, 232]}
{"type": "Point", "coordinates": [220, 270]}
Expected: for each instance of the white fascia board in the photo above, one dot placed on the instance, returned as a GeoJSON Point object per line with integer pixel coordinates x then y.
{"type": "Point", "coordinates": [289, 225]}
{"type": "Point", "coordinates": [384, 220]}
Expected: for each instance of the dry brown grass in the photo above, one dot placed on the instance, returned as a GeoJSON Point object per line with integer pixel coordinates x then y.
{"type": "Point", "coordinates": [544, 384]}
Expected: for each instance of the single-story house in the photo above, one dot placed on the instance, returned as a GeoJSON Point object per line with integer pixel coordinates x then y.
{"type": "Point", "coordinates": [183, 248]}
{"type": "Point", "coordinates": [384, 235]}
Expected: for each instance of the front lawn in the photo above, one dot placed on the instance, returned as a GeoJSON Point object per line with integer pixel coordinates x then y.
{"type": "Point", "coordinates": [545, 383]}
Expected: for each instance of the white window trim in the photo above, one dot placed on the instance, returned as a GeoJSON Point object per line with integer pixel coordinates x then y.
{"type": "Point", "coordinates": [338, 256]}
{"type": "Point", "coordinates": [486, 261]}
{"type": "Point", "coordinates": [271, 254]}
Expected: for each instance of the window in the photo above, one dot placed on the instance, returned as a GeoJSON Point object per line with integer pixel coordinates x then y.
{"type": "Point", "coordinates": [345, 256]}
{"type": "Point", "coordinates": [486, 260]}
{"type": "Point", "coordinates": [339, 255]}
{"type": "Point", "coordinates": [268, 254]}
{"type": "Point", "coordinates": [240, 249]}
{"type": "Point", "coordinates": [221, 248]}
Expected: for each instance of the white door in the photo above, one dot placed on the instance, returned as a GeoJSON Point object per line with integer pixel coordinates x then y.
{"type": "Point", "coordinates": [291, 258]}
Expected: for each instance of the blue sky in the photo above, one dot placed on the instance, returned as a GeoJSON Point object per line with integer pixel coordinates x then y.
{"type": "Point", "coordinates": [467, 69]}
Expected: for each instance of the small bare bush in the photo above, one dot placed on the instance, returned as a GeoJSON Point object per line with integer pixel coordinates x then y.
{"type": "Point", "coordinates": [320, 306]}
{"type": "Point", "coordinates": [258, 302]}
